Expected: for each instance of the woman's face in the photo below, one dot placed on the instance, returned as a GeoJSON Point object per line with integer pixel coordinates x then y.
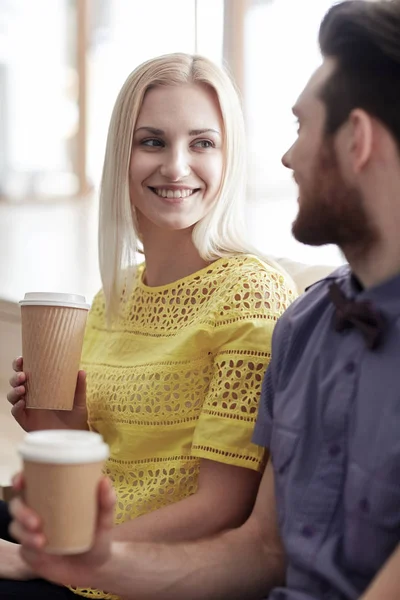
{"type": "Point", "coordinates": [177, 157]}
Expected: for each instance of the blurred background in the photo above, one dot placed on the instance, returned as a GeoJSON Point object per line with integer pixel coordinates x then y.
{"type": "Point", "coordinates": [62, 63]}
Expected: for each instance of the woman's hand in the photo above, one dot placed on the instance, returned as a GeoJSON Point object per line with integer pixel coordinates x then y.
{"type": "Point", "coordinates": [35, 419]}
{"type": "Point", "coordinates": [78, 570]}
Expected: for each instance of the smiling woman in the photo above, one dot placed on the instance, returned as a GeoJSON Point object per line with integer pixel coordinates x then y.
{"type": "Point", "coordinates": [176, 162]}
{"type": "Point", "coordinates": [176, 347]}
{"type": "Point", "coordinates": [181, 95]}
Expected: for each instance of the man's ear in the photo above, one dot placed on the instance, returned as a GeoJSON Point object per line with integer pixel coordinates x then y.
{"type": "Point", "coordinates": [361, 138]}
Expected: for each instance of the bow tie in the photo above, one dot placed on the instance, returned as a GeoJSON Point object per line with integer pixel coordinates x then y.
{"type": "Point", "coordinates": [361, 314]}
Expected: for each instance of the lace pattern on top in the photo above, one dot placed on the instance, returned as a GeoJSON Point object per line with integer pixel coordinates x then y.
{"type": "Point", "coordinates": [252, 292]}
{"type": "Point", "coordinates": [178, 379]}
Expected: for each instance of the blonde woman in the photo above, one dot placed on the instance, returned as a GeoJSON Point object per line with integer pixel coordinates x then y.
{"type": "Point", "coordinates": [176, 347]}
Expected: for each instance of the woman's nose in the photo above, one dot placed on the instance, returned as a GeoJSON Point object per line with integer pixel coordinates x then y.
{"type": "Point", "coordinates": [286, 158]}
{"type": "Point", "coordinates": [175, 166]}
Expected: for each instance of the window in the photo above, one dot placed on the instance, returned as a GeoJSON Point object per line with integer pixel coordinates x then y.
{"type": "Point", "coordinates": [62, 63]}
{"type": "Point", "coordinates": [38, 89]}
{"type": "Point", "coordinates": [123, 34]}
{"type": "Point", "coordinates": [280, 53]}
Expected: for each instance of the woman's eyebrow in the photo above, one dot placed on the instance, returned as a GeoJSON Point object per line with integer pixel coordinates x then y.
{"type": "Point", "coordinates": [156, 131]}
{"type": "Point", "coordinates": [201, 131]}
{"type": "Point", "coordinates": [152, 130]}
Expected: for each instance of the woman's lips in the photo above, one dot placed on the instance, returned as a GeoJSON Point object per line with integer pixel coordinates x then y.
{"type": "Point", "coordinates": [174, 195]}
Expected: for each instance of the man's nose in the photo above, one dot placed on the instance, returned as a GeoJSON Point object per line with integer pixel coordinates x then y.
{"type": "Point", "coordinates": [175, 165]}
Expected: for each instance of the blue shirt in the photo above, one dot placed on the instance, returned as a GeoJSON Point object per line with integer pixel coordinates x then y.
{"type": "Point", "coordinates": [330, 414]}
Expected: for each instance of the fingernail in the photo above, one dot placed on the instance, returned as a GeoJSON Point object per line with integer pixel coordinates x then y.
{"type": "Point", "coordinates": [32, 522]}
{"type": "Point", "coordinates": [39, 540]}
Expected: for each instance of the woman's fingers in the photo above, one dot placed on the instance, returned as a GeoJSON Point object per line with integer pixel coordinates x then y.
{"type": "Point", "coordinates": [17, 364]}
{"type": "Point", "coordinates": [18, 388]}
{"type": "Point", "coordinates": [16, 394]}
{"type": "Point", "coordinates": [17, 379]}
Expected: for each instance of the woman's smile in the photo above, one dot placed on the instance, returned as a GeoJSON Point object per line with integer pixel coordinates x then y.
{"type": "Point", "coordinates": [173, 193]}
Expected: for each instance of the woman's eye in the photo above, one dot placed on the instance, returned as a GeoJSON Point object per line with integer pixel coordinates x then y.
{"type": "Point", "coordinates": [204, 144]}
{"type": "Point", "coordinates": [152, 143]}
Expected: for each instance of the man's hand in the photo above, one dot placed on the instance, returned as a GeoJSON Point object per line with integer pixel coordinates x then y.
{"type": "Point", "coordinates": [386, 585]}
{"type": "Point", "coordinates": [11, 564]}
{"type": "Point", "coordinates": [247, 562]}
{"type": "Point", "coordinates": [77, 570]}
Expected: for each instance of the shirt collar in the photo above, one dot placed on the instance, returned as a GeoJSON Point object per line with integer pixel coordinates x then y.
{"type": "Point", "coordinates": [385, 296]}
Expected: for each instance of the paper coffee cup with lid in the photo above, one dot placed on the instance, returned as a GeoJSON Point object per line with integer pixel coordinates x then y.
{"type": "Point", "coordinates": [53, 327]}
{"type": "Point", "coordinates": [62, 471]}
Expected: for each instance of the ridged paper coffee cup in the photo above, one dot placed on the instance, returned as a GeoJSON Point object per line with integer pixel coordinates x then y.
{"type": "Point", "coordinates": [62, 471]}
{"type": "Point", "coordinates": [53, 327]}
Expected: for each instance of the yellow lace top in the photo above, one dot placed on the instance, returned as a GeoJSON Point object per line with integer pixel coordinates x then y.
{"type": "Point", "coordinates": [178, 379]}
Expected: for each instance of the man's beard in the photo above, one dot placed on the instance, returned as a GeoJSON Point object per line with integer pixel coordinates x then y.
{"type": "Point", "coordinates": [330, 210]}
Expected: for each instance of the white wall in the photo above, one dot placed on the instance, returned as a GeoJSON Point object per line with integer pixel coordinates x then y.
{"type": "Point", "coordinates": [269, 224]}
{"type": "Point", "coordinates": [10, 347]}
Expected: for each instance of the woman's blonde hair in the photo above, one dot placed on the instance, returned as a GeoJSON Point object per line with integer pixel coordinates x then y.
{"type": "Point", "coordinates": [222, 231]}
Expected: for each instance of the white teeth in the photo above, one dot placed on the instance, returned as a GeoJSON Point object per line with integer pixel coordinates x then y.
{"type": "Point", "coordinates": [173, 193]}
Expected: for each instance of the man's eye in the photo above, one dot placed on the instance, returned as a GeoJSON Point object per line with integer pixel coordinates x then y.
{"type": "Point", "coordinates": [152, 143]}
{"type": "Point", "coordinates": [204, 144]}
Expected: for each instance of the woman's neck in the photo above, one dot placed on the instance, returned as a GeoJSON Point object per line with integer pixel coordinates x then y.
{"type": "Point", "coordinates": [170, 255]}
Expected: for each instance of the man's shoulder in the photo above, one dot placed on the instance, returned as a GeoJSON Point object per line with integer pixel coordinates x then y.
{"type": "Point", "coordinates": [316, 293]}
{"type": "Point", "coordinates": [309, 310]}
{"type": "Point", "coordinates": [305, 330]}
{"type": "Point", "coordinates": [341, 273]}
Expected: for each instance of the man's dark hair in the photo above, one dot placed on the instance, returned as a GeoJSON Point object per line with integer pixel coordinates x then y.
{"type": "Point", "coordinates": [364, 38]}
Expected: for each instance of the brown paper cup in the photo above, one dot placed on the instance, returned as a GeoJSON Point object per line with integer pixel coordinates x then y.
{"type": "Point", "coordinates": [63, 494]}
{"type": "Point", "coordinates": [52, 338]}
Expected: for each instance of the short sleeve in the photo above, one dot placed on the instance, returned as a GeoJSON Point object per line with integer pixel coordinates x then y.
{"type": "Point", "coordinates": [242, 341]}
{"type": "Point", "coordinates": [263, 427]}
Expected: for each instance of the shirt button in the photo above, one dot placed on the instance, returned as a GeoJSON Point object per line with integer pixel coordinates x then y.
{"type": "Point", "coordinates": [334, 450]}
{"type": "Point", "coordinates": [350, 367]}
{"type": "Point", "coordinates": [307, 531]}
{"type": "Point", "coordinates": [364, 505]}
{"type": "Point", "coordinates": [324, 587]}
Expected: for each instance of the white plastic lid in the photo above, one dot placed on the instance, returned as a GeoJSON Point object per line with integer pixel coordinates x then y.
{"type": "Point", "coordinates": [63, 446]}
{"type": "Point", "coordinates": [54, 299]}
